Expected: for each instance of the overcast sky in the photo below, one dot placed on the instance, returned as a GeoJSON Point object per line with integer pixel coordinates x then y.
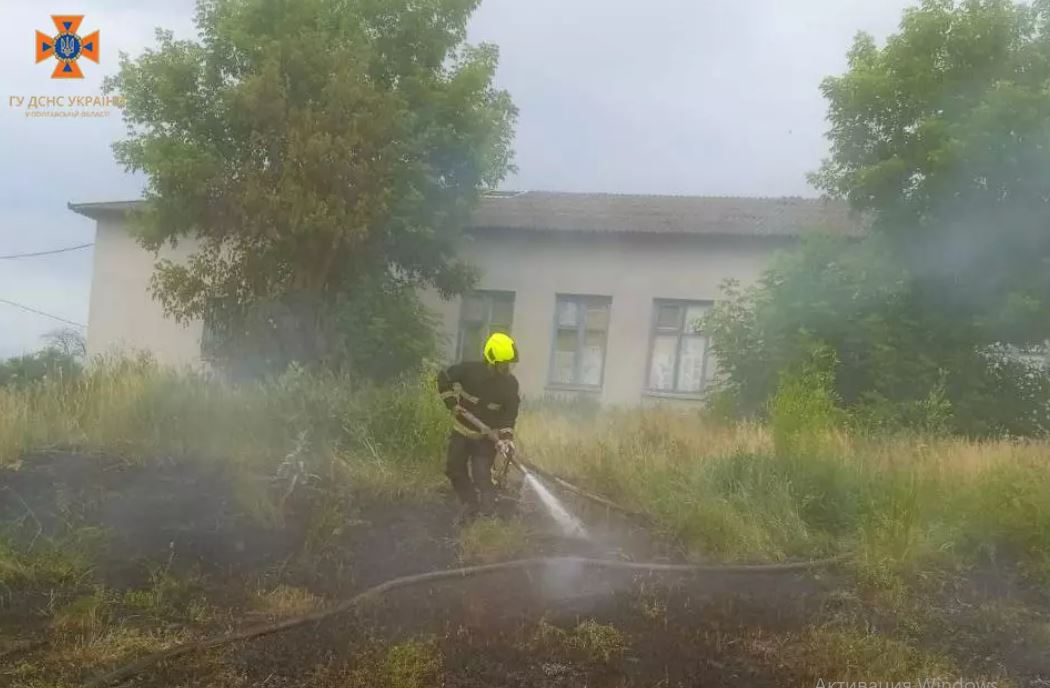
{"type": "Point", "coordinates": [661, 96]}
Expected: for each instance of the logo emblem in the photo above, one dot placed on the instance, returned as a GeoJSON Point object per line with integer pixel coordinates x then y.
{"type": "Point", "coordinates": [67, 47]}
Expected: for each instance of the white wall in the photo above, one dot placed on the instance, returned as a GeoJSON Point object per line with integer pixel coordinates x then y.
{"type": "Point", "coordinates": [123, 316]}
{"type": "Point", "coordinates": [632, 270]}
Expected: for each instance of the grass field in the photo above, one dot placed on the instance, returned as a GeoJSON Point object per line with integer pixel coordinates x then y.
{"type": "Point", "coordinates": [923, 513]}
{"type": "Point", "coordinates": [723, 490]}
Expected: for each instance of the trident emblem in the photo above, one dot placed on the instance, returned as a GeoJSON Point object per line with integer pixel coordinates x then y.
{"type": "Point", "coordinates": [66, 47]}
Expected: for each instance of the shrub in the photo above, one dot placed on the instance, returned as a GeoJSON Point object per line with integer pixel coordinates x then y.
{"type": "Point", "coordinates": [804, 408]}
{"type": "Point", "coordinates": [49, 363]}
{"type": "Point", "coordinates": [405, 419]}
{"type": "Point", "coordinates": [899, 364]}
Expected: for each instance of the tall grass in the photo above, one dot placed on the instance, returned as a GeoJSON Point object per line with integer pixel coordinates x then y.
{"type": "Point", "coordinates": [727, 491]}
{"type": "Point", "coordinates": [140, 411]}
{"type": "Point", "coordinates": [740, 491]}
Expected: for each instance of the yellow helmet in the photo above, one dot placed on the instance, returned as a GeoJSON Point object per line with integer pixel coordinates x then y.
{"type": "Point", "coordinates": [500, 348]}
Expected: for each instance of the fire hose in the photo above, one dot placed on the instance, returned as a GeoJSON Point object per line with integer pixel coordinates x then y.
{"type": "Point", "coordinates": [142, 664]}
{"type": "Point", "coordinates": [139, 666]}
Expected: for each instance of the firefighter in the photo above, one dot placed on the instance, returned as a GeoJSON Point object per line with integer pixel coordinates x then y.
{"type": "Point", "coordinates": [489, 391]}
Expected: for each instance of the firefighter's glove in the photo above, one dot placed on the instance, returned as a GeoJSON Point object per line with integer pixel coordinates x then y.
{"type": "Point", "coordinates": [505, 447]}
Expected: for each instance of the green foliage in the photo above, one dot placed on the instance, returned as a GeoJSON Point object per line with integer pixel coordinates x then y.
{"type": "Point", "coordinates": [389, 332]}
{"type": "Point", "coordinates": [1008, 396]}
{"type": "Point", "coordinates": [942, 139]}
{"type": "Point", "coordinates": [379, 330]}
{"type": "Point", "coordinates": [896, 365]}
{"type": "Point", "coordinates": [311, 145]}
{"type": "Point", "coordinates": [405, 418]}
{"type": "Point", "coordinates": [804, 407]}
{"type": "Point", "coordinates": [1010, 512]}
{"type": "Point", "coordinates": [830, 293]}
{"type": "Point", "coordinates": [167, 598]}
{"type": "Point", "coordinates": [43, 562]}
{"type": "Point", "coordinates": [943, 135]}
{"type": "Point", "coordinates": [62, 357]}
{"type": "Point", "coordinates": [31, 367]}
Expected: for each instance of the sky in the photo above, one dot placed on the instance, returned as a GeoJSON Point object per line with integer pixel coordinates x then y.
{"type": "Point", "coordinates": [617, 96]}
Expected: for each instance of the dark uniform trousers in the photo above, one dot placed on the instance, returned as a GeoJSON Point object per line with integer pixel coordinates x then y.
{"type": "Point", "coordinates": [469, 468]}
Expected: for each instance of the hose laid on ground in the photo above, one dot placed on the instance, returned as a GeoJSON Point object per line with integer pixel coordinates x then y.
{"type": "Point", "coordinates": [140, 665]}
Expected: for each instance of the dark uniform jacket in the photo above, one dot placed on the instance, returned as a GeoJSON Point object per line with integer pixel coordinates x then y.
{"type": "Point", "coordinates": [478, 388]}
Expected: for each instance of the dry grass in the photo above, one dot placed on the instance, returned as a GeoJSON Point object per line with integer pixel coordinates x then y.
{"type": "Point", "coordinates": [286, 601]}
{"type": "Point", "coordinates": [653, 439]}
{"type": "Point", "coordinates": [489, 540]}
{"type": "Point", "coordinates": [907, 502]}
{"type": "Point", "coordinates": [411, 664]}
{"type": "Point", "coordinates": [588, 641]}
{"type": "Point", "coordinates": [904, 500]}
{"type": "Point", "coordinates": [736, 491]}
{"type": "Point", "coordinates": [851, 654]}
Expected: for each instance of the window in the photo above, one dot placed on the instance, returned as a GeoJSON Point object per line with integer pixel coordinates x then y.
{"type": "Point", "coordinates": [482, 314]}
{"type": "Point", "coordinates": [678, 359]}
{"type": "Point", "coordinates": [581, 324]}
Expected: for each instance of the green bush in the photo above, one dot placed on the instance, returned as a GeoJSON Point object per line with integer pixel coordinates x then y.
{"type": "Point", "coordinates": [1010, 510]}
{"type": "Point", "coordinates": [805, 407]}
{"type": "Point", "coordinates": [897, 364]}
{"type": "Point", "coordinates": [405, 420]}
{"type": "Point", "coordinates": [46, 364]}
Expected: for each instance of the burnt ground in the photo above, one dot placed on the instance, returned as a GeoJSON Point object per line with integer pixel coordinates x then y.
{"type": "Point", "coordinates": [147, 543]}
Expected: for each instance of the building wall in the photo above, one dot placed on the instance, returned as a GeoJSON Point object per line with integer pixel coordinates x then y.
{"type": "Point", "coordinates": [123, 316]}
{"type": "Point", "coordinates": [632, 270]}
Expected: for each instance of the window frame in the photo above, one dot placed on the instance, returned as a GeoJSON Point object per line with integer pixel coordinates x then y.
{"type": "Point", "coordinates": [681, 334]}
{"type": "Point", "coordinates": [488, 295]}
{"type": "Point", "coordinates": [582, 301]}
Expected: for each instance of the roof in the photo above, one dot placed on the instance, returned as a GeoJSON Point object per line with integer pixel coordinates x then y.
{"type": "Point", "coordinates": [545, 211]}
{"type": "Point", "coordinates": [637, 214]}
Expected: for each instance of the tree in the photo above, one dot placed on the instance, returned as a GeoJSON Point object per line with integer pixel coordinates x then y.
{"type": "Point", "coordinates": [68, 341]}
{"type": "Point", "coordinates": [63, 357]}
{"type": "Point", "coordinates": [315, 148]}
{"type": "Point", "coordinates": [943, 137]}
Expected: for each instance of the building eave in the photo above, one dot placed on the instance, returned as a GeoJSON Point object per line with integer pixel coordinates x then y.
{"type": "Point", "coordinates": [610, 215]}
{"type": "Point", "coordinates": [105, 209]}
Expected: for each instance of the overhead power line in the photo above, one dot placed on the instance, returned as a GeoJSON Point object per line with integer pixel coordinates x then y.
{"type": "Point", "coordinates": [39, 312]}
{"type": "Point", "coordinates": [52, 252]}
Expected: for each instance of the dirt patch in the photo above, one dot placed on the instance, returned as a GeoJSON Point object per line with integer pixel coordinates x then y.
{"type": "Point", "coordinates": [548, 628]}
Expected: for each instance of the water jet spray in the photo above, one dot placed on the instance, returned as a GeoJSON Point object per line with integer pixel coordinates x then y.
{"type": "Point", "coordinates": [570, 525]}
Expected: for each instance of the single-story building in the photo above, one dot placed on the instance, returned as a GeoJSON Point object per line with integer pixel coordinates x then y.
{"type": "Point", "coordinates": [602, 292]}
